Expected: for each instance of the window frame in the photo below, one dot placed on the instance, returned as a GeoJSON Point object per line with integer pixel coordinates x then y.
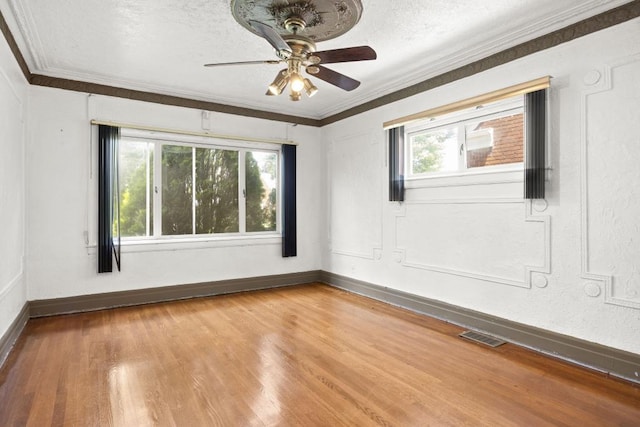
{"type": "Point", "coordinates": [160, 139]}
{"type": "Point", "coordinates": [460, 119]}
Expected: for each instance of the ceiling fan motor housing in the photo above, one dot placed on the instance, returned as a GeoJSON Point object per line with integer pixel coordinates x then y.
{"type": "Point", "coordinates": [318, 20]}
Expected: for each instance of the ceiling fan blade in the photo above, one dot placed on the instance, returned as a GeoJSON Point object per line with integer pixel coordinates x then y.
{"type": "Point", "coordinates": [336, 79]}
{"type": "Point", "coordinates": [268, 61]}
{"type": "Point", "coordinates": [270, 35]}
{"type": "Point", "coordinates": [348, 54]}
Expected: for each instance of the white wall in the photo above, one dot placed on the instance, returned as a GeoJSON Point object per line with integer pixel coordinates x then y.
{"type": "Point", "coordinates": [13, 105]}
{"type": "Point", "coordinates": [570, 264]}
{"type": "Point", "coordinates": [61, 201]}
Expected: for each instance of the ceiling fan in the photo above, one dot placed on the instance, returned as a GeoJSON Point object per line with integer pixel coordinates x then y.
{"type": "Point", "coordinates": [298, 51]}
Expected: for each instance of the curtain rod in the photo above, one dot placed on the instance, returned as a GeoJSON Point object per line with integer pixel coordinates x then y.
{"type": "Point", "coordinates": [191, 133]}
{"type": "Point", "coordinates": [497, 95]}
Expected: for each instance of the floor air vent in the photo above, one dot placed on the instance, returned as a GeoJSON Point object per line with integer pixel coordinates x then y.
{"type": "Point", "coordinates": [482, 338]}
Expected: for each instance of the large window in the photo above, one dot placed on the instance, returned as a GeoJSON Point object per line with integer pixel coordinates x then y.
{"type": "Point", "coordinates": [187, 187]}
{"type": "Point", "coordinates": [488, 137]}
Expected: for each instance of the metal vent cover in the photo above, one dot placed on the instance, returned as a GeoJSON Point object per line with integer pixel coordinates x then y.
{"type": "Point", "coordinates": [482, 338]}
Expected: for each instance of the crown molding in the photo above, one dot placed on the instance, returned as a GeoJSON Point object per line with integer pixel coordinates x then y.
{"type": "Point", "coordinates": [460, 54]}
{"type": "Point", "coordinates": [103, 80]}
{"type": "Point", "coordinates": [582, 28]}
{"type": "Point", "coordinates": [579, 29]}
{"type": "Point", "coordinates": [11, 41]}
{"type": "Point", "coordinates": [99, 89]}
{"type": "Point", "coordinates": [32, 42]}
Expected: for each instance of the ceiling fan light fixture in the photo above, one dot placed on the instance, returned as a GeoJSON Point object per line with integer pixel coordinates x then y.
{"type": "Point", "coordinates": [279, 83]}
{"type": "Point", "coordinates": [292, 28]}
{"type": "Point", "coordinates": [297, 84]}
{"type": "Point", "coordinates": [310, 88]}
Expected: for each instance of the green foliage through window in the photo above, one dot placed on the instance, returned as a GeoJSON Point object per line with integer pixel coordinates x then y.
{"type": "Point", "coordinates": [198, 188]}
{"type": "Point", "coordinates": [490, 137]}
{"type": "Point", "coordinates": [136, 178]}
{"type": "Point", "coordinates": [428, 150]}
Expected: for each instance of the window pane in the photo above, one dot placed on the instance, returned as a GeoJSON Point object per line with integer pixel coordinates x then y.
{"type": "Point", "coordinates": [261, 182]}
{"type": "Point", "coordinates": [216, 191]}
{"type": "Point", "coordinates": [497, 141]}
{"type": "Point", "coordinates": [434, 151]}
{"type": "Point", "coordinates": [136, 183]}
{"type": "Point", "coordinates": [177, 190]}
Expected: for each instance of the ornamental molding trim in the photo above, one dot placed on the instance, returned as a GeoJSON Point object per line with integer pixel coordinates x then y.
{"type": "Point", "coordinates": [597, 82]}
{"type": "Point", "coordinates": [533, 275]}
{"type": "Point", "coordinates": [29, 35]}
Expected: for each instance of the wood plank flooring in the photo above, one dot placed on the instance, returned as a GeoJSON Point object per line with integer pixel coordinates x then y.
{"type": "Point", "coordinates": [300, 356]}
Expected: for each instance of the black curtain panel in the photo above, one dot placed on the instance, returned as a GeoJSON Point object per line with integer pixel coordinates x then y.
{"type": "Point", "coordinates": [396, 164]}
{"type": "Point", "coordinates": [289, 242]}
{"type": "Point", "coordinates": [535, 112]}
{"type": "Point", "coordinates": [108, 198]}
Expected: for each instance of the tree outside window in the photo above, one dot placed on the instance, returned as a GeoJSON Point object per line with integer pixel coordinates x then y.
{"type": "Point", "coordinates": [199, 188]}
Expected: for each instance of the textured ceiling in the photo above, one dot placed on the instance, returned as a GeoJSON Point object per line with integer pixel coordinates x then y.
{"type": "Point", "coordinates": [161, 45]}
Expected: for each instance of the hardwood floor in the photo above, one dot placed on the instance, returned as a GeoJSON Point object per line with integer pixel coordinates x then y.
{"type": "Point", "coordinates": [302, 356]}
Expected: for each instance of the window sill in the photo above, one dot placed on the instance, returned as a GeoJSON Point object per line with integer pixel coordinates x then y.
{"type": "Point", "coordinates": [192, 243]}
{"type": "Point", "coordinates": [513, 174]}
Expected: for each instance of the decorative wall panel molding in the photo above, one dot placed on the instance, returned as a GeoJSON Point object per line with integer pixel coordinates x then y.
{"type": "Point", "coordinates": [498, 245]}
{"type": "Point", "coordinates": [355, 196]}
{"type": "Point", "coordinates": [487, 186]}
{"type": "Point", "coordinates": [610, 195]}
